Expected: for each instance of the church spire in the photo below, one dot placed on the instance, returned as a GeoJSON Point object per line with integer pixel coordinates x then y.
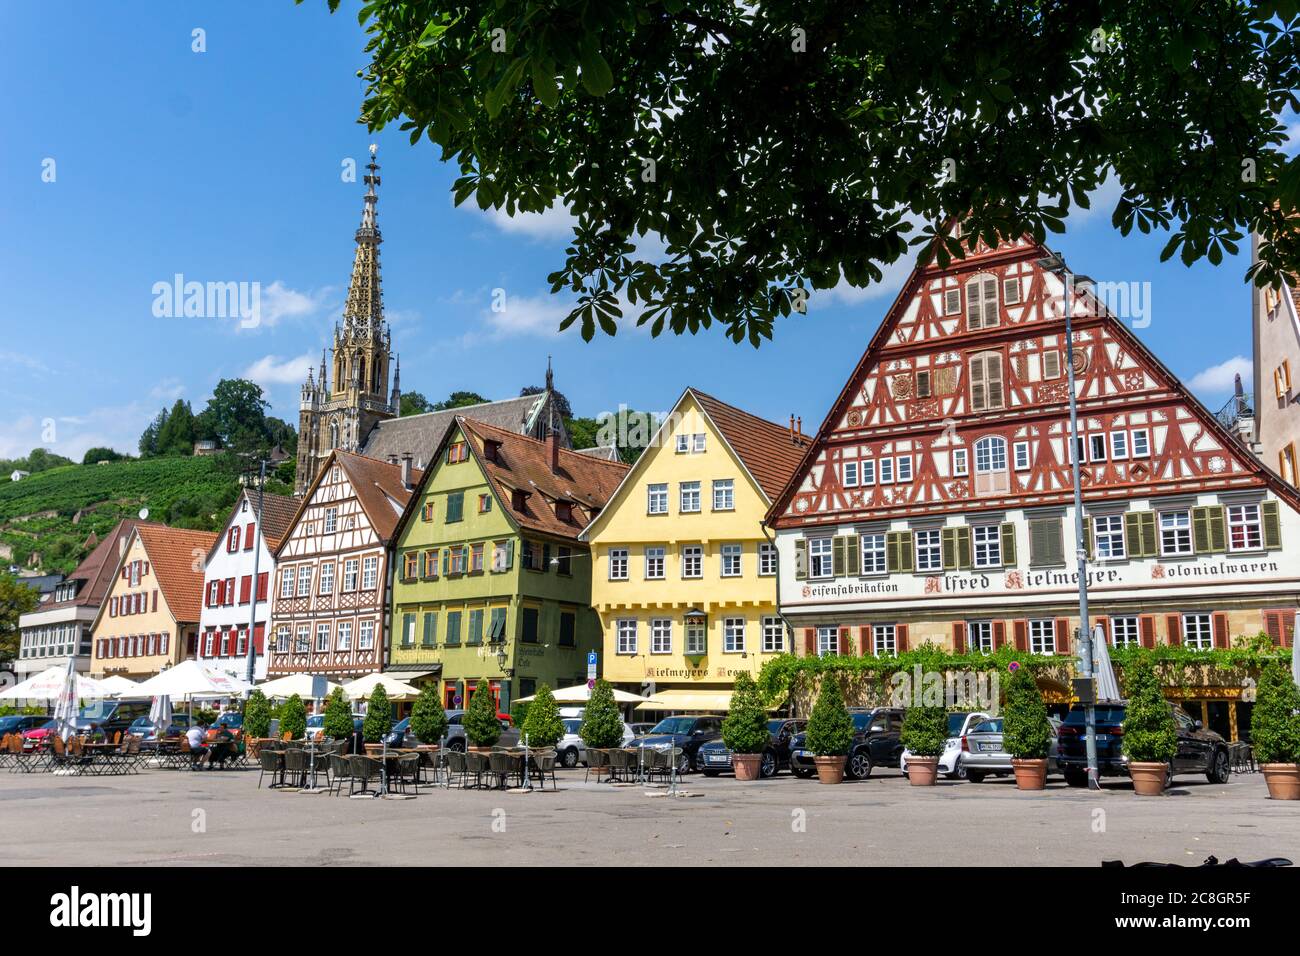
{"type": "Point", "coordinates": [365, 305]}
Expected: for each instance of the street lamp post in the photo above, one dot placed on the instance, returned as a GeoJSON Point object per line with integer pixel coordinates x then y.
{"type": "Point", "coordinates": [251, 657]}
{"type": "Point", "coordinates": [1055, 264]}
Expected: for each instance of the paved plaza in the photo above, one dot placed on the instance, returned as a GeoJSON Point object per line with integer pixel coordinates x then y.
{"type": "Point", "coordinates": [222, 818]}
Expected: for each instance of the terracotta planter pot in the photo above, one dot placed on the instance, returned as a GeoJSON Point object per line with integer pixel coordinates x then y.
{"type": "Point", "coordinates": [1148, 777]}
{"type": "Point", "coordinates": [1031, 774]}
{"type": "Point", "coordinates": [922, 771]}
{"type": "Point", "coordinates": [480, 750]}
{"type": "Point", "coordinates": [746, 765]}
{"type": "Point", "coordinates": [1283, 780]}
{"type": "Point", "coordinates": [829, 769]}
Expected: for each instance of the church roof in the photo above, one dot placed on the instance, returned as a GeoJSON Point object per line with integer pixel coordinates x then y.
{"type": "Point", "coordinates": [422, 434]}
{"type": "Point", "coordinates": [602, 452]}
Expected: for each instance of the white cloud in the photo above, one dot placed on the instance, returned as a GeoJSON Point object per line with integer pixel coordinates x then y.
{"type": "Point", "coordinates": [168, 390]}
{"type": "Point", "coordinates": [271, 370]}
{"type": "Point", "coordinates": [538, 315]}
{"type": "Point", "coordinates": [894, 275]}
{"type": "Point", "coordinates": [19, 360]}
{"type": "Point", "coordinates": [278, 302]}
{"type": "Point", "coordinates": [1218, 380]}
{"type": "Point", "coordinates": [557, 222]}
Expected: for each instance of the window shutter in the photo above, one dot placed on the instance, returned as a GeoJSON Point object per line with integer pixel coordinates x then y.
{"type": "Point", "coordinates": [852, 554]}
{"type": "Point", "coordinates": [837, 556]}
{"type": "Point", "coordinates": [1147, 630]}
{"type": "Point", "coordinates": [1008, 544]}
{"type": "Point", "coordinates": [259, 638]}
{"type": "Point", "coordinates": [810, 641]}
{"type": "Point", "coordinates": [1133, 534]}
{"type": "Point", "coordinates": [1045, 544]}
{"type": "Point", "coordinates": [900, 637]}
{"type": "Point", "coordinates": [1011, 291]}
{"type": "Point", "coordinates": [1063, 635]}
{"type": "Point", "coordinates": [1220, 624]}
{"type": "Point", "coordinates": [1272, 525]}
{"type": "Point", "coordinates": [959, 637]}
{"type": "Point", "coordinates": [263, 582]}
{"type": "Point", "coordinates": [1104, 624]}
{"type": "Point", "coordinates": [1021, 631]}
{"type": "Point", "coordinates": [949, 541]}
{"type": "Point", "coordinates": [993, 380]}
{"type": "Point", "coordinates": [1273, 626]}
{"type": "Point", "coordinates": [906, 564]}
{"type": "Point", "coordinates": [800, 559]}
{"type": "Point", "coordinates": [221, 591]}
{"type": "Point", "coordinates": [155, 599]}
{"type": "Point", "coordinates": [510, 553]}
{"type": "Point", "coordinates": [978, 390]}
{"type": "Point", "coordinates": [245, 588]}
{"type": "Point", "coordinates": [989, 292]}
{"type": "Point", "coordinates": [974, 306]}
{"type": "Point", "coordinates": [1174, 628]}
{"type": "Point", "coordinates": [230, 590]}
{"type": "Point", "coordinates": [844, 642]}
{"type": "Point", "coordinates": [1201, 530]}
{"type": "Point", "coordinates": [963, 548]}
{"type": "Point", "coordinates": [248, 536]}
{"type": "Point", "coordinates": [1087, 536]}
{"type": "Point", "coordinates": [864, 641]}
{"type": "Point", "coordinates": [1218, 529]}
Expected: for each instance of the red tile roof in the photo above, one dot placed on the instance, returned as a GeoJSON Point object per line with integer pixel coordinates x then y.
{"type": "Point", "coordinates": [524, 463]}
{"type": "Point", "coordinates": [176, 556]}
{"type": "Point", "coordinates": [765, 448]}
{"type": "Point", "coordinates": [277, 515]}
{"type": "Point", "coordinates": [378, 486]}
{"type": "Point", "coordinates": [96, 570]}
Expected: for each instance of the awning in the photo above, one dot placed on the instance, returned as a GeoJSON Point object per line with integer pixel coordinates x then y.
{"type": "Point", "coordinates": [688, 699]}
{"type": "Point", "coordinates": [413, 671]}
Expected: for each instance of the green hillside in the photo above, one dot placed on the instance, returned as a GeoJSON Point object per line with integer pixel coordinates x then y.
{"type": "Point", "coordinates": [54, 512]}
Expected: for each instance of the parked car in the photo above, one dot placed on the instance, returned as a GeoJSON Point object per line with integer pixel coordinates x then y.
{"type": "Point", "coordinates": [982, 754]}
{"type": "Point", "coordinates": [147, 730]}
{"type": "Point", "coordinates": [17, 723]}
{"type": "Point", "coordinates": [688, 731]}
{"type": "Point", "coordinates": [107, 717]}
{"type": "Point", "coordinates": [1199, 750]}
{"type": "Point", "coordinates": [875, 744]}
{"type": "Point", "coordinates": [950, 763]}
{"type": "Point", "coordinates": [570, 750]}
{"type": "Point", "coordinates": [641, 729]}
{"type": "Point", "coordinates": [714, 757]}
{"type": "Point", "coordinates": [456, 731]}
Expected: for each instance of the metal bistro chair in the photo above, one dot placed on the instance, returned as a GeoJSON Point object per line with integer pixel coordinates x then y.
{"type": "Point", "coordinates": [408, 773]}
{"type": "Point", "coordinates": [363, 770]}
{"type": "Point", "coordinates": [340, 770]}
{"type": "Point", "coordinates": [476, 765]}
{"type": "Point", "coordinates": [502, 765]}
{"type": "Point", "coordinates": [295, 767]}
{"type": "Point", "coordinates": [457, 769]}
{"type": "Point", "coordinates": [622, 764]}
{"type": "Point", "coordinates": [1242, 756]}
{"type": "Point", "coordinates": [597, 760]}
{"type": "Point", "coordinates": [272, 762]}
{"type": "Point", "coordinates": [543, 764]}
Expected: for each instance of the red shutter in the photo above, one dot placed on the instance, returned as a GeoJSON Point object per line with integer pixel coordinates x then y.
{"type": "Point", "coordinates": [959, 637]}
{"type": "Point", "coordinates": [1104, 624]}
{"type": "Point", "coordinates": [900, 637]}
{"type": "Point", "coordinates": [261, 586]}
{"type": "Point", "coordinates": [146, 569]}
{"type": "Point", "coordinates": [221, 591]}
{"type": "Point", "coordinates": [864, 641]}
{"type": "Point", "coordinates": [249, 536]}
{"type": "Point", "coordinates": [1022, 635]}
{"type": "Point", "coordinates": [1063, 635]}
{"type": "Point", "coordinates": [1174, 628]}
{"type": "Point", "coordinates": [155, 599]}
{"type": "Point", "coordinates": [810, 641]}
{"type": "Point", "coordinates": [259, 638]}
{"type": "Point", "coordinates": [844, 641]}
{"type": "Point", "coordinates": [1280, 627]}
{"type": "Point", "coordinates": [1147, 630]}
{"type": "Point", "coordinates": [1220, 622]}
{"type": "Point", "coordinates": [999, 634]}
{"type": "Point", "coordinates": [245, 589]}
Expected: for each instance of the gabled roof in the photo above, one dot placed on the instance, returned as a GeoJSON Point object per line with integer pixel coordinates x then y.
{"type": "Point", "coordinates": [422, 434]}
{"type": "Point", "coordinates": [277, 518]}
{"type": "Point", "coordinates": [768, 450]}
{"type": "Point", "coordinates": [172, 553]}
{"type": "Point", "coordinates": [524, 463]}
{"type": "Point", "coordinates": [96, 571]}
{"type": "Point", "coordinates": [603, 452]}
{"type": "Point", "coordinates": [377, 485]}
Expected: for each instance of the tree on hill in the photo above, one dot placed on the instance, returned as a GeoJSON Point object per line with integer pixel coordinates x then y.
{"type": "Point", "coordinates": [236, 417]}
{"type": "Point", "coordinates": [414, 403]}
{"type": "Point", "coordinates": [459, 400]}
{"type": "Point", "coordinates": [177, 433]}
{"type": "Point", "coordinates": [40, 459]}
{"type": "Point", "coordinates": [678, 118]}
{"type": "Point", "coordinates": [94, 456]}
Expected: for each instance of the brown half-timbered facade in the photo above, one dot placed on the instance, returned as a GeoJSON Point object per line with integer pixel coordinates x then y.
{"type": "Point", "coordinates": [935, 504]}
{"type": "Point", "coordinates": [333, 576]}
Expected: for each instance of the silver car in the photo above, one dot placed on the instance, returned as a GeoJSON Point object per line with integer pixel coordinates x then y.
{"type": "Point", "coordinates": [982, 753]}
{"type": "Point", "coordinates": [456, 732]}
{"type": "Point", "coordinates": [570, 750]}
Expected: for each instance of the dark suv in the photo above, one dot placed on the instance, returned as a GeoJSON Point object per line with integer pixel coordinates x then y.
{"type": "Point", "coordinates": [1199, 750]}
{"type": "Point", "coordinates": [714, 757]}
{"type": "Point", "coordinates": [876, 743]}
{"type": "Point", "coordinates": [687, 731]}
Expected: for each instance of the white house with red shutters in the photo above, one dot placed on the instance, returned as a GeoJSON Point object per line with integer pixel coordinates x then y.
{"type": "Point", "coordinates": [231, 596]}
{"type": "Point", "coordinates": [935, 504]}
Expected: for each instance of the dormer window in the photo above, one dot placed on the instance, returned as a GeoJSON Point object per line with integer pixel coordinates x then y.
{"type": "Point", "coordinates": [518, 499]}
{"type": "Point", "coordinates": [492, 450]}
{"type": "Point", "coordinates": [564, 510]}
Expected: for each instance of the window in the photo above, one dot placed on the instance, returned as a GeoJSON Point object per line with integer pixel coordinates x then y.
{"type": "Point", "coordinates": [690, 443]}
{"type": "Point", "coordinates": [455, 507]}
{"type": "Point", "coordinates": [496, 625]}
{"type": "Point", "coordinates": [286, 583]}
{"type": "Point", "coordinates": [429, 631]}
{"type": "Point", "coordinates": [457, 451]}
{"type": "Point", "coordinates": [431, 563]}
{"type": "Point", "coordinates": [1118, 445]}
{"type": "Point", "coordinates": [731, 560]}
{"type": "Point", "coordinates": [849, 473]}
{"type": "Point", "coordinates": [773, 636]}
{"type": "Point", "coordinates": [819, 558]}
{"type": "Point", "coordinates": [302, 639]}
{"type": "Point", "coordinates": [1141, 443]}
{"type": "Point", "coordinates": [282, 639]}
{"type": "Point", "coordinates": [693, 561]}
{"type": "Point", "coordinates": [453, 627]}
{"type": "Point", "coordinates": [886, 471]}
{"type": "Point", "coordinates": [369, 573]}
{"type": "Point", "coordinates": [533, 557]}
{"type": "Point", "coordinates": [980, 636]}
{"type": "Point", "coordinates": [923, 383]}
{"type": "Point", "coordinates": [981, 302]}
{"type": "Point", "coordinates": [929, 549]}
{"type": "Point", "coordinates": [697, 443]}
{"type": "Point", "coordinates": [884, 640]}
{"type": "Point", "coordinates": [563, 560]}
{"type": "Point", "coordinates": [1011, 291]}
{"type": "Point", "coordinates": [828, 641]}
{"type": "Point", "coordinates": [1108, 536]}
{"type": "Point", "coordinates": [905, 468]}
{"type": "Point", "coordinates": [661, 635]}
{"type": "Point", "coordinates": [331, 520]}
{"type": "Point", "coordinates": [626, 635]}
{"type": "Point", "coordinates": [1282, 380]}
{"type": "Point", "coordinates": [873, 553]}
{"type": "Point", "coordinates": [656, 499]}
{"type": "Point", "coordinates": [350, 574]}
{"type": "Point", "coordinates": [476, 558]}
{"type": "Point", "coordinates": [1042, 636]}
{"type": "Point", "coordinates": [502, 555]}
{"type": "Point", "coordinates": [327, 578]}
{"type": "Point", "coordinates": [1097, 446]}
{"type": "Point", "coordinates": [484, 504]}
{"type": "Point", "coordinates": [683, 444]}
{"type": "Point", "coordinates": [322, 637]}
{"type": "Point", "coordinates": [456, 560]}
{"type": "Point", "coordinates": [366, 635]}
{"type": "Point", "coordinates": [689, 492]}
{"type": "Point", "coordinates": [733, 635]}
{"type": "Point", "coordinates": [1198, 633]}
{"type": "Point", "coordinates": [1051, 364]}
{"type": "Point", "coordinates": [697, 637]}
{"type": "Point", "coordinates": [951, 301]}
{"type": "Point", "coordinates": [618, 564]}
{"type": "Point", "coordinates": [959, 462]}
{"type": "Point", "coordinates": [766, 559]}
{"type": "Point", "coordinates": [304, 580]}
{"type": "Point", "coordinates": [1124, 631]}
{"type": "Point", "coordinates": [1175, 532]}
{"type": "Point", "coordinates": [988, 545]}
{"type": "Point", "coordinates": [345, 636]}
{"type": "Point", "coordinates": [654, 564]}
{"type": "Point", "coordinates": [986, 382]}
{"type": "Point", "coordinates": [208, 638]}
{"type": "Point", "coordinates": [991, 475]}
{"type": "Point", "coordinates": [1245, 532]}
{"type": "Point", "coordinates": [474, 633]}
{"type": "Point", "coordinates": [1021, 452]}
{"type": "Point", "coordinates": [426, 511]}
{"type": "Point", "coordinates": [568, 625]}
{"type": "Point", "coordinates": [724, 494]}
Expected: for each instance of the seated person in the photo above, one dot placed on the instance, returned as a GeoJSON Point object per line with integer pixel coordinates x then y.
{"type": "Point", "coordinates": [198, 748]}
{"type": "Point", "coordinates": [223, 747]}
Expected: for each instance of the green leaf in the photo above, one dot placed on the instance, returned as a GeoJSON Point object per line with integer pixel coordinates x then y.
{"type": "Point", "coordinates": [597, 78]}
{"type": "Point", "coordinates": [544, 85]}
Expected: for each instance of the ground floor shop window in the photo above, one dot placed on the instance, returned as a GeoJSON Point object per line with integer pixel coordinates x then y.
{"type": "Point", "coordinates": [981, 636]}
{"type": "Point", "coordinates": [1198, 632]}
{"type": "Point", "coordinates": [1124, 631]}
{"type": "Point", "coordinates": [1042, 636]}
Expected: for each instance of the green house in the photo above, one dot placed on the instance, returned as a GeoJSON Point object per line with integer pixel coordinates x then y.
{"type": "Point", "coordinates": [492, 583]}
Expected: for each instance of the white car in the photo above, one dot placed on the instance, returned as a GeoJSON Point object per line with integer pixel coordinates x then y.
{"type": "Point", "coordinates": [959, 723]}
{"type": "Point", "coordinates": [570, 751]}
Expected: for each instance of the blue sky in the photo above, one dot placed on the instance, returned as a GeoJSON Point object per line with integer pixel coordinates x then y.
{"type": "Point", "coordinates": [226, 166]}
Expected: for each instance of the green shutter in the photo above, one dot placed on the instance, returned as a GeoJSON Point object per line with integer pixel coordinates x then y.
{"type": "Point", "coordinates": [891, 551]}
{"type": "Point", "coordinates": [1272, 525]}
{"type": "Point", "coordinates": [510, 553]}
{"type": "Point", "coordinates": [837, 556]}
{"type": "Point", "coordinates": [963, 548]}
{"type": "Point", "coordinates": [906, 552]}
{"type": "Point", "coordinates": [1008, 544]}
{"type": "Point", "coordinates": [949, 541]}
{"type": "Point", "coordinates": [1133, 534]}
{"type": "Point", "coordinates": [1201, 530]}
{"type": "Point", "coordinates": [1218, 529]}
{"type": "Point", "coordinates": [801, 559]}
{"type": "Point", "coordinates": [1039, 543]}
{"type": "Point", "coordinates": [1087, 539]}
{"type": "Point", "coordinates": [852, 554]}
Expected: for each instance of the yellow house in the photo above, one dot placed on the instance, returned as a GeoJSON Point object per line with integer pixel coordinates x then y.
{"type": "Point", "coordinates": [684, 579]}
{"type": "Point", "coordinates": [150, 617]}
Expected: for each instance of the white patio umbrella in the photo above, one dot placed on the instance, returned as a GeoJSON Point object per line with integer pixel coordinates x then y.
{"type": "Point", "coordinates": [364, 687]}
{"type": "Point", "coordinates": [65, 708]}
{"type": "Point", "coordinates": [120, 686]}
{"type": "Point", "coordinates": [160, 713]}
{"type": "Point", "coordinates": [1102, 669]}
{"type": "Point", "coordinates": [191, 679]}
{"type": "Point", "coordinates": [48, 685]}
{"type": "Point", "coordinates": [581, 694]}
{"type": "Point", "coordinates": [290, 684]}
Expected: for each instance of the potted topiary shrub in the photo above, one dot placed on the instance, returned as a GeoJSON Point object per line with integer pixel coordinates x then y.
{"type": "Point", "coordinates": [1275, 731]}
{"type": "Point", "coordinates": [293, 718]}
{"type": "Point", "coordinates": [542, 725]}
{"type": "Point", "coordinates": [602, 725]}
{"type": "Point", "coordinates": [1026, 731]}
{"type": "Point", "coordinates": [925, 729]}
{"type": "Point", "coordinates": [257, 716]}
{"type": "Point", "coordinates": [830, 731]}
{"type": "Point", "coordinates": [744, 730]}
{"type": "Point", "coordinates": [338, 716]}
{"type": "Point", "coordinates": [428, 719]}
{"type": "Point", "coordinates": [519, 712]}
{"type": "Point", "coordinates": [1150, 737]}
{"type": "Point", "coordinates": [379, 717]}
{"type": "Point", "coordinates": [482, 726]}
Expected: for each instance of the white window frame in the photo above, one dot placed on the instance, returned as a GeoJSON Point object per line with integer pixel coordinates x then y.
{"type": "Point", "coordinates": [656, 494]}
{"type": "Point", "coordinates": [773, 635]}
{"type": "Point", "coordinates": [928, 543]}
{"type": "Point", "coordinates": [884, 640]}
{"type": "Point", "coordinates": [903, 467]}
{"type": "Point", "coordinates": [1249, 520]}
{"type": "Point", "coordinates": [350, 579]}
{"type": "Point", "coordinates": [304, 580]}
{"type": "Point", "coordinates": [960, 463]}
{"type": "Point", "coordinates": [688, 497]}
{"type": "Point", "coordinates": [986, 545]}
{"type": "Point", "coordinates": [828, 641]}
{"type": "Point", "coordinates": [1118, 445]}
{"type": "Point", "coordinates": [1140, 443]}
{"type": "Point", "coordinates": [369, 573]}
{"type": "Point", "coordinates": [1176, 527]}
{"type": "Point", "coordinates": [656, 560]}
{"type": "Point", "coordinates": [724, 494]}
{"type": "Point", "coordinates": [979, 636]}
{"type": "Point", "coordinates": [1097, 440]}
{"type": "Point", "coordinates": [1125, 630]}
{"type": "Point", "coordinates": [1040, 643]}
{"type": "Point", "coordinates": [1108, 537]}
{"type": "Point", "coordinates": [692, 562]}
{"type": "Point", "coordinates": [886, 471]}
{"type": "Point", "coordinates": [331, 520]}
{"type": "Point", "coordinates": [698, 443]}
{"type": "Point", "coordinates": [323, 630]}
{"type": "Point", "coordinates": [618, 559]}
{"type": "Point", "coordinates": [366, 634]}
{"type": "Point", "coordinates": [849, 474]}
{"type": "Point", "coordinates": [873, 559]}
{"type": "Point", "coordinates": [821, 558]}
{"type": "Point", "coordinates": [683, 443]}
{"type": "Point", "coordinates": [343, 636]}
{"type": "Point", "coordinates": [625, 631]}
{"type": "Point", "coordinates": [287, 576]}
{"type": "Point", "coordinates": [733, 635]}
{"type": "Point", "coordinates": [695, 637]}
{"type": "Point", "coordinates": [1198, 630]}
{"type": "Point", "coordinates": [661, 635]}
{"type": "Point", "coordinates": [732, 560]}
{"type": "Point", "coordinates": [1020, 455]}
{"type": "Point", "coordinates": [868, 472]}
{"type": "Point", "coordinates": [767, 558]}
{"type": "Point", "coordinates": [326, 585]}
